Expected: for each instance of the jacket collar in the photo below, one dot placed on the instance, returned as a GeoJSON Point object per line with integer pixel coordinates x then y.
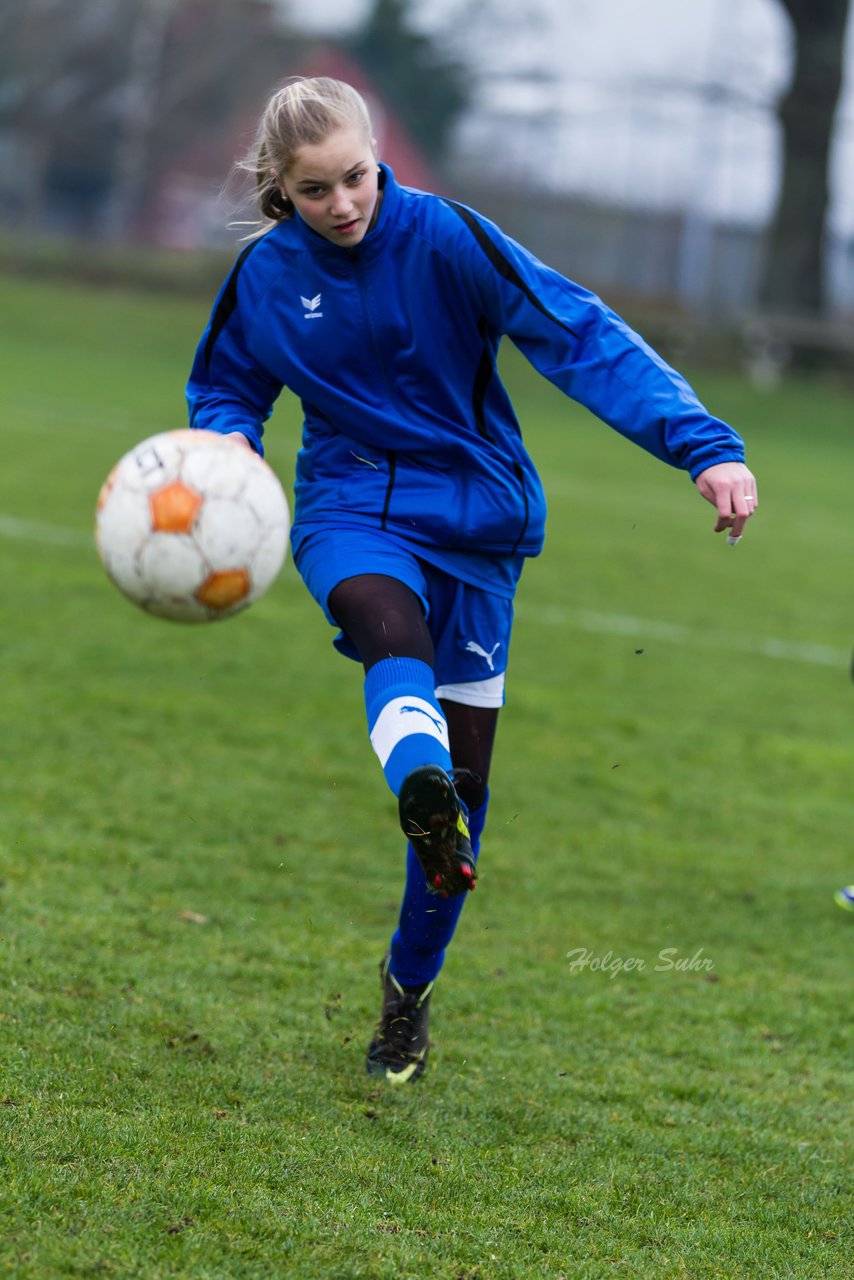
{"type": "Point", "coordinates": [371, 244]}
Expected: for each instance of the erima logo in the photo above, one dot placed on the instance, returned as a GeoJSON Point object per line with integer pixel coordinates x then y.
{"type": "Point", "coordinates": [312, 307]}
{"type": "Point", "coordinates": [422, 712]}
{"type": "Point", "coordinates": [474, 647]}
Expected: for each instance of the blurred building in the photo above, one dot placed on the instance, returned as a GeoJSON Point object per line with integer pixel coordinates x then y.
{"type": "Point", "coordinates": [193, 202]}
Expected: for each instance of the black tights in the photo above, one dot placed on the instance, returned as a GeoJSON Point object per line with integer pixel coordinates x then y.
{"type": "Point", "coordinates": [384, 619]}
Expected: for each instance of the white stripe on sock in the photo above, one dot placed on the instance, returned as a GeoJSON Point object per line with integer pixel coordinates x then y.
{"type": "Point", "coordinates": [405, 716]}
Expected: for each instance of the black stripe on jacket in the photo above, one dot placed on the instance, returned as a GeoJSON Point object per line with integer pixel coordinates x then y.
{"type": "Point", "coordinates": [227, 303]}
{"type": "Point", "coordinates": [502, 265]}
{"type": "Point", "coordinates": [483, 377]}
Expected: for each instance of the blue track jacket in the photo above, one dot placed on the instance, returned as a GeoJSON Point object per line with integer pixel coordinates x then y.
{"type": "Point", "coordinates": [391, 347]}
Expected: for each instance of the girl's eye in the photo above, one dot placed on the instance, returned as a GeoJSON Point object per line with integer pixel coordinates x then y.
{"type": "Point", "coordinates": [356, 177]}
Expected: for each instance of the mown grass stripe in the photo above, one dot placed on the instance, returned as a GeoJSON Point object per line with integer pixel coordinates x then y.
{"type": "Point", "coordinates": [614, 624]}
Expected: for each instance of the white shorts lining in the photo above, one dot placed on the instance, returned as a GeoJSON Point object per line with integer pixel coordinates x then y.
{"type": "Point", "coordinates": [475, 693]}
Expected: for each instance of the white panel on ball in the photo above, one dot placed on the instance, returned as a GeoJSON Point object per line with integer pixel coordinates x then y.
{"type": "Point", "coordinates": [226, 531]}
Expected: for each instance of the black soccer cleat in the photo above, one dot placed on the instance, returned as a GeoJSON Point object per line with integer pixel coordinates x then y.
{"type": "Point", "coordinates": [434, 821]}
{"type": "Point", "coordinates": [398, 1051]}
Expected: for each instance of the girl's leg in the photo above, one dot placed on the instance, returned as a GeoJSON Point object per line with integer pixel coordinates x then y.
{"type": "Point", "coordinates": [383, 617]}
{"type": "Point", "coordinates": [427, 922]}
{"type": "Point", "coordinates": [385, 621]}
{"type": "Point", "coordinates": [472, 736]}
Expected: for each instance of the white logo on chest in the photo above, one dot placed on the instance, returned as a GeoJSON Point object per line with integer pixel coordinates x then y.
{"type": "Point", "coordinates": [312, 307]}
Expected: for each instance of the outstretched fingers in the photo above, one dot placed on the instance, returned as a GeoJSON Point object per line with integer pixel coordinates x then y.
{"type": "Point", "coordinates": [731, 489]}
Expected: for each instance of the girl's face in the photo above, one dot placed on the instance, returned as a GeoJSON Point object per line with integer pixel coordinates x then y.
{"type": "Point", "coordinates": [333, 185]}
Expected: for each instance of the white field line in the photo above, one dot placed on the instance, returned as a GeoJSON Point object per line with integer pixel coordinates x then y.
{"type": "Point", "coordinates": [640, 630]}
{"type": "Point", "coordinates": [56, 535]}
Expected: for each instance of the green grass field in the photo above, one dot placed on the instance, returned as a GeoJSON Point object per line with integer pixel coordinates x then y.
{"type": "Point", "coordinates": [201, 868]}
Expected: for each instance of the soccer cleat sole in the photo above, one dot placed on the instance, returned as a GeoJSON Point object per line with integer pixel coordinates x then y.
{"type": "Point", "coordinates": [433, 822]}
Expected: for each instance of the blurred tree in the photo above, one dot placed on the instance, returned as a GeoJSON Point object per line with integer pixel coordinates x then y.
{"type": "Point", "coordinates": [191, 65]}
{"type": "Point", "coordinates": [793, 277]}
{"type": "Point", "coordinates": [55, 109]}
{"type": "Point", "coordinates": [98, 96]}
{"type": "Point", "coordinates": [509, 79]}
{"type": "Point", "coordinates": [425, 85]}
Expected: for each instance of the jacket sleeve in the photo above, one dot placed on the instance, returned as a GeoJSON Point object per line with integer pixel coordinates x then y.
{"type": "Point", "coordinates": [228, 390]}
{"type": "Point", "coordinates": [586, 350]}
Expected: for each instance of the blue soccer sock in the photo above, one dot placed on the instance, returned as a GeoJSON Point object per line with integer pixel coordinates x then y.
{"type": "Point", "coordinates": [406, 723]}
{"type": "Point", "coordinates": [427, 922]}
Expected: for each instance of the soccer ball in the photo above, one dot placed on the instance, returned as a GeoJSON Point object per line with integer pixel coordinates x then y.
{"type": "Point", "coordinates": [192, 526]}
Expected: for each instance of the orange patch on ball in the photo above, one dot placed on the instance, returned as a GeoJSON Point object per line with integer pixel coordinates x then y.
{"type": "Point", "coordinates": [225, 588]}
{"type": "Point", "coordinates": [174, 508]}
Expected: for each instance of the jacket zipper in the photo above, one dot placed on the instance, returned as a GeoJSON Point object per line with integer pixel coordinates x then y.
{"type": "Point", "coordinates": [483, 376]}
{"type": "Point", "coordinates": [392, 467]}
{"type": "Point", "coordinates": [390, 453]}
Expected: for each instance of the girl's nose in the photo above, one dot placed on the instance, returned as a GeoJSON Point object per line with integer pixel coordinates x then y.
{"type": "Point", "coordinates": [342, 201]}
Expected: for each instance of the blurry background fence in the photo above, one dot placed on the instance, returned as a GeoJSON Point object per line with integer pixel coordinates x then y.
{"type": "Point", "coordinates": [705, 166]}
{"type": "Point", "coordinates": [712, 269]}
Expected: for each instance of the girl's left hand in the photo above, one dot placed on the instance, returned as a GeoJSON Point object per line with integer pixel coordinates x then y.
{"type": "Point", "coordinates": [238, 437]}
{"type": "Point", "coordinates": [731, 488]}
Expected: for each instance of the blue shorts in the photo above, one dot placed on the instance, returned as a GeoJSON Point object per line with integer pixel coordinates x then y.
{"type": "Point", "coordinates": [470, 626]}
